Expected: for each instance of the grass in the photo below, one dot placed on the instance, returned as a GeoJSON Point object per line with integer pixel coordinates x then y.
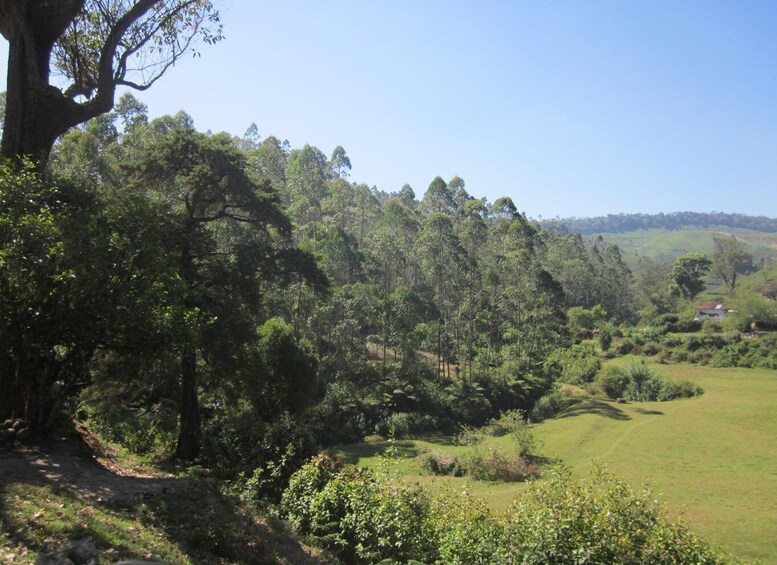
{"type": "Point", "coordinates": [669, 244]}
{"type": "Point", "coordinates": [711, 459]}
{"type": "Point", "coordinates": [191, 525]}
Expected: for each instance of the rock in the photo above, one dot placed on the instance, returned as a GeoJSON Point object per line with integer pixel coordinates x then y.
{"type": "Point", "coordinates": [9, 435]}
{"type": "Point", "coordinates": [8, 423]}
{"type": "Point", "coordinates": [620, 400]}
{"type": "Point", "coordinates": [24, 434]}
{"type": "Point", "coordinates": [81, 552]}
{"type": "Point", "coordinates": [54, 558]}
{"type": "Point", "coordinates": [19, 424]}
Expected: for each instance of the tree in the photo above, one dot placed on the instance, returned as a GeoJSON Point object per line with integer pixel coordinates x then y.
{"type": "Point", "coordinates": [729, 259]}
{"type": "Point", "coordinates": [438, 198]}
{"type": "Point", "coordinates": [407, 196]}
{"type": "Point", "coordinates": [97, 45]}
{"type": "Point", "coordinates": [688, 273]}
{"type": "Point", "coordinates": [201, 181]}
{"type": "Point", "coordinates": [340, 163]}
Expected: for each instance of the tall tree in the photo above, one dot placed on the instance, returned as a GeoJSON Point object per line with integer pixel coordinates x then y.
{"type": "Point", "coordinates": [340, 163]}
{"type": "Point", "coordinates": [97, 45]}
{"type": "Point", "coordinates": [729, 259]}
{"type": "Point", "coordinates": [202, 182]}
{"type": "Point", "coordinates": [688, 273]}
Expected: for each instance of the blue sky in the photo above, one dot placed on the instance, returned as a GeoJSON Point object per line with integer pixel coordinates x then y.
{"type": "Point", "coordinates": [570, 108]}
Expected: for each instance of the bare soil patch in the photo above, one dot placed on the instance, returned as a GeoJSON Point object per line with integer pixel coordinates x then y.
{"type": "Point", "coordinates": [82, 466]}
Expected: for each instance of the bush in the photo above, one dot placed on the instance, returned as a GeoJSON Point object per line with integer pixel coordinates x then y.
{"type": "Point", "coordinates": [613, 383]}
{"type": "Point", "coordinates": [467, 532]}
{"type": "Point", "coordinates": [599, 520]}
{"type": "Point", "coordinates": [579, 364]}
{"type": "Point", "coordinates": [285, 445]}
{"type": "Point", "coordinates": [366, 517]}
{"type": "Point", "coordinates": [361, 516]}
{"type": "Point", "coordinates": [439, 463]}
{"type": "Point", "coordinates": [509, 422]}
{"type": "Point", "coordinates": [493, 465]}
{"type": "Point", "coordinates": [549, 405]}
{"type": "Point", "coordinates": [605, 340]}
{"type": "Point", "coordinates": [681, 389]}
{"type": "Point", "coordinates": [638, 383]}
{"type": "Point", "coordinates": [403, 425]}
{"type": "Point", "coordinates": [651, 348]}
{"type": "Point", "coordinates": [304, 485]}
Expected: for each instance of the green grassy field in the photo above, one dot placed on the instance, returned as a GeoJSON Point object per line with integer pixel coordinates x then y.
{"type": "Point", "coordinates": [712, 459]}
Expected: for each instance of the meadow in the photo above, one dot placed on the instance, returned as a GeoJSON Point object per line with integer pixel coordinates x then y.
{"type": "Point", "coordinates": [712, 460]}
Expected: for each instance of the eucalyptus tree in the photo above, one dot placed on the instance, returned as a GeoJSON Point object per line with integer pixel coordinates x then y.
{"type": "Point", "coordinates": [443, 260]}
{"type": "Point", "coordinates": [438, 198]}
{"type": "Point", "coordinates": [306, 174]}
{"type": "Point", "coordinates": [474, 237]}
{"type": "Point", "coordinates": [269, 160]}
{"type": "Point", "coordinates": [393, 243]}
{"type": "Point", "coordinates": [340, 163]}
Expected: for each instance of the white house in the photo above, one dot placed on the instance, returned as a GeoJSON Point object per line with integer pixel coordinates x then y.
{"type": "Point", "coordinates": [711, 311]}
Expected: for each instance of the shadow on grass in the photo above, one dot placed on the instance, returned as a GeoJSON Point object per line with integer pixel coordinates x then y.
{"type": "Point", "coordinates": [351, 453]}
{"type": "Point", "coordinates": [439, 440]}
{"type": "Point", "coordinates": [649, 412]}
{"type": "Point", "coordinates": [211, 528]}
{"type": "Point", "coordinates": [594, 406]}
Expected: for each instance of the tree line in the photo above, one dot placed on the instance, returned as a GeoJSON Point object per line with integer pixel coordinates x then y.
{"type": "Point", "coordinates": [616, 223]}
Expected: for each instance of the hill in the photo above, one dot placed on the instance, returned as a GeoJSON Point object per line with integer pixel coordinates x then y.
{"type": "Point", "coordinates": [666, 236]}
{"type": "Point", "coordinates": [669, 244]}
{"type": "Point", "coordinates": [618, 223]}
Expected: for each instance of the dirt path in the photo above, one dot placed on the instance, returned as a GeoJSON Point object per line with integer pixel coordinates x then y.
{"type": "Point", "coordinates": [82, 467]}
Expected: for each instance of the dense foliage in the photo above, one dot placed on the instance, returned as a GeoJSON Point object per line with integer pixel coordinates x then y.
{"type": "Point", "coordinates": [250, 280]}
{"type": "Point", "coordinates": [366, 517]}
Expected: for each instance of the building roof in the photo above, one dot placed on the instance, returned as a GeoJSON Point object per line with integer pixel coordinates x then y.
{"type": "Point", "coordinates": [714, 305]}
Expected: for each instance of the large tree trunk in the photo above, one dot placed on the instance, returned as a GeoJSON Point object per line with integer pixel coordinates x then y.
{"type": "Point", "coordinates": [36, 112]}
{"type": "Point", "coordinates": [190, 432]}
{"type": "Point", "coordinates": [25, 384]}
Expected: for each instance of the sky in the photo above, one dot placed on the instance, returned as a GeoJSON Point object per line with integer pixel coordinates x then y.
{"type": "Point", "coordinates": [580, 108]}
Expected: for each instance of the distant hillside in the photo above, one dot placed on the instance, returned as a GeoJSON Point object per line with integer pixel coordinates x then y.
{"type": "Point", "coordinates": [617, 223]}
{"type": "Point", "coordinates": [666, 236]}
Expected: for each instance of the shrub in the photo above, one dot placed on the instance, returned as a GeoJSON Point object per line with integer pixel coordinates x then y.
{"type": "Point", "coordinates": [599, 520]}
{"type": "Point", "coordinates": [467, 532]}
{"type": "Point", "coordinates": [493, 465]}
{"type": "Point", "coordinates": [509, 422]}
{"type": "Point", "coordinates": [651, 348]}
{"type": "Point", "coordinates": [579, 364]}
{"type": "Point", "coordinates": [404, 424]}
{"type": "Point", "coordinates": [304, 485]}
{"type": "Point", "coordinates": [439, 463]}
{"type": "Point", "coordinates": [549, 405]}
{"type": "Point", "coordinates": [285, 445]}
{"type": "Point", "coordinates": [605, 340]}
{"type": "Point", "coordinates": [366, 517]}
{"type": "Point", "coordinates": [681, 389]}
{"type": "Point", "coordinates": [613, 383]}
{"type": "Point", "coordinates": [638, 383]}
